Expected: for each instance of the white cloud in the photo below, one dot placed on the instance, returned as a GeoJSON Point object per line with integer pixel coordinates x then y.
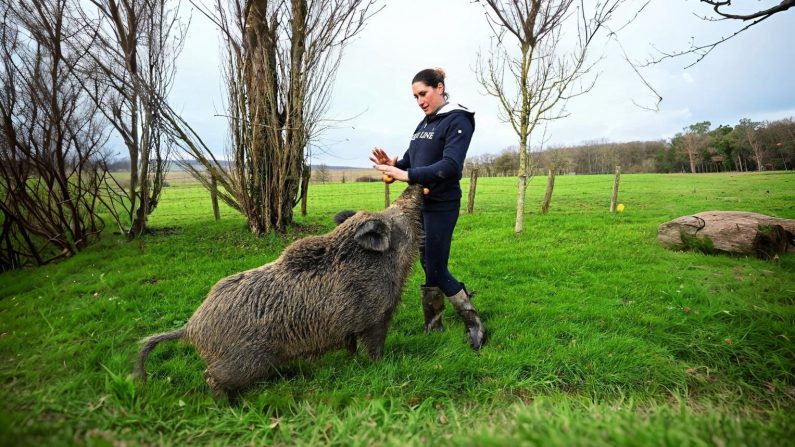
{"type": "Point", "coordinates": [747, 76]}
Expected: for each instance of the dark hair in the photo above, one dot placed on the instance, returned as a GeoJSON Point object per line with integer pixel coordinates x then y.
{"type": "Point", "coordinates": [431, 77]}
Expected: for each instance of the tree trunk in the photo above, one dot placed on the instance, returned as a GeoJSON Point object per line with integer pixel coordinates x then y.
{"type": "Point", "coordinates": [730, 232]}
{"type": "Point", "coordinates": [520, 196]}
{"type": "Point", "coordinates": [690, 156]}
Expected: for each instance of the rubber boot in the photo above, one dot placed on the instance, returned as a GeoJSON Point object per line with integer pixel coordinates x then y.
{"type": "Point", "coordinates": [476, 333]}
{"type": "Point", "coordinates": [433, 308]}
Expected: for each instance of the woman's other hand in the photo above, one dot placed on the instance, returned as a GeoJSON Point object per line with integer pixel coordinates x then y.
{"type": "Point", "coordinates": [395, 173]}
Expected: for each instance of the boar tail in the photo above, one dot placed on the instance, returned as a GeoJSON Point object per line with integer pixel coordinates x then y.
{"type": "Point", "coordinates": [149, 344]}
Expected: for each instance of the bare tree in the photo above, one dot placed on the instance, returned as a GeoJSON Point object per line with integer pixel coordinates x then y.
{"type": "Point", "coordinates": [543, 75]}
{"type": "Point", "coordinates": [747, 134]}
{"type": "Point", "coordinates": [507, 162]}
{"type": "Point", "coordinates": [556, 159]}
{"type": "Point", "coordinates": [133, 48]}
{"type": "Point", "coordinates": [321, 173]}
{"type": "Point", "coordinates": [50, 138]}
{"type": "Point", "coordinates": [693, 140]}
{"type": "Point", "coordinates": [487, 162]}
{"type": "Point", "coordinates": [281, 60]}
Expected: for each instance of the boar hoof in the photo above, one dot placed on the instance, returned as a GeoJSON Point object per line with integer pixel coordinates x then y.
{"type": "Point", "coordinates": [374, 338]}
{"type": "Point", "coordinates": [216, 388]}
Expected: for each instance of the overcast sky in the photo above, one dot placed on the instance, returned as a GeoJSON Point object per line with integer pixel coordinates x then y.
{"type": "Point", "coordinates": [750, 76]}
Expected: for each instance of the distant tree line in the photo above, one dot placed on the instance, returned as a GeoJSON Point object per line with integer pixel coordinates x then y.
{"type": "Point", "coordinates": [747, 146]}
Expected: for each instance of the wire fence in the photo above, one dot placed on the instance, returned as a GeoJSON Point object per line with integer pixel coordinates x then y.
{"type": "Point", "coordinates": [184, 198]}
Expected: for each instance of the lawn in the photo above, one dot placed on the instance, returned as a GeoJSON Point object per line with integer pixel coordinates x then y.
{"type": "Point", "coordinates": [599, 336]}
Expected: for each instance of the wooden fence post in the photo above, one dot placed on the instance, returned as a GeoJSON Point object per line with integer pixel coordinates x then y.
{"type": "Point", "coordinates": [305, 188]}
{"type": "Point", "coordinates": [614, 197]}
{"type": "Point", "coordinates": [473, 184]}
{"type": "Point", "coordinates": [548, 195]}
{"type": "Point", "coordinates": [214, 196]}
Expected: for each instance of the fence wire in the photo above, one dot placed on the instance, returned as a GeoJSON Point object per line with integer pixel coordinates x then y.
{"type": "Point", "coordinates": [185, 199]}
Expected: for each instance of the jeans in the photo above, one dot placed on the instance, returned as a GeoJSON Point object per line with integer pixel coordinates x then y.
{"type": "Point", "coordinates": [435, 252]}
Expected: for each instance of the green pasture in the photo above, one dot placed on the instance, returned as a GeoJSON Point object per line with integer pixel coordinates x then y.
{"type": "Point", "coordinates": [599, 336]}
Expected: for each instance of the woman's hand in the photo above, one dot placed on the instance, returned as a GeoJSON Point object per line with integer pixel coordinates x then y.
{"type": "Point", "coordinates": [380, 157]}
{"type": "Point", "coordinates": [395, 173]}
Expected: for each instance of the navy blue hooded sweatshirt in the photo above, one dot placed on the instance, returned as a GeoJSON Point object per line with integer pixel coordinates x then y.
{"type": "Point", "coordinates": [435, 158]}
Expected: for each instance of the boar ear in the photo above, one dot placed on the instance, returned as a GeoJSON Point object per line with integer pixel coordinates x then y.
{"type": "Point", "coordinates": [373, 235]}
{"type": "Point", "coordinates": [342, 216]}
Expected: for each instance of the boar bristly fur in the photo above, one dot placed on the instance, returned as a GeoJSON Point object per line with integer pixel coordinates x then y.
{"type": "Point", "coordinates": [322, 293]}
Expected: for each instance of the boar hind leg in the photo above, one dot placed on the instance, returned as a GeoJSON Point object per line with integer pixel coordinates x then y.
{"type": "Point", "coordinates": [373, 339]}
{"type": "Point", "coordinates": [232, 377]}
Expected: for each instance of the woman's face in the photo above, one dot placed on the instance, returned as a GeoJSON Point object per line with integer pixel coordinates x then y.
{"type": "Point", "coordinates": [428, 98]}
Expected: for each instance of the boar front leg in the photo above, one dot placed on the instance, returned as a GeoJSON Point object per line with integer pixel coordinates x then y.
{"type": "Point", "coordinates": [350, 344]}
{"type": "Point", "coordinates": [374, 338]}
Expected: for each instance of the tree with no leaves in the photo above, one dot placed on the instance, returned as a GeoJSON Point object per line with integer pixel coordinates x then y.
{"type": "Point", "coordinates": [281, 59]}
{"type": "Point", "coordinates": [533, 84]}
{"type": "Point", "coordinates": [693, 140]}
{"type": "Point", "coordinates": [747, 135]}
{"type": "Point", "coordinates": [51, 139]}
{"type": "Point", "coordinates": [322, 174]}
{"type": "Point", "coordinates": [133, 46]}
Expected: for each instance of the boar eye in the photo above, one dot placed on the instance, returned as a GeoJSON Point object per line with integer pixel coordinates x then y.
{"type": "Point", "coordinates": [373, 235]}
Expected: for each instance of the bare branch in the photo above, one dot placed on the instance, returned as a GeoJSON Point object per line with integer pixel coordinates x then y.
{"type": "Point", "coordinates": [720, 9]}
{"type": "Point", "coordinates": [719, 5]}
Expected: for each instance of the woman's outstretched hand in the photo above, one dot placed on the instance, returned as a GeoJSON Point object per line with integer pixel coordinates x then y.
{"type": "Point", "coordinates": [380, 157]}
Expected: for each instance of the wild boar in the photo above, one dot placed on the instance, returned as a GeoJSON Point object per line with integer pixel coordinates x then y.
{"type": "Point", "coordinates": [323, 293]}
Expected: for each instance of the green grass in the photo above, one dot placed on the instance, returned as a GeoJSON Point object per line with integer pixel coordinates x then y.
{"type": "Point", "coordinates": [599, 336]}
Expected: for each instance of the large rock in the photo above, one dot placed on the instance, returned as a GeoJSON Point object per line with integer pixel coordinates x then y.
{"type": "Point", "coordinates": [730, 232]}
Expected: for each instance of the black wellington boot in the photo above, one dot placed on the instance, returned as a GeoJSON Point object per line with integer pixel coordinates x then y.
{"type": "Point", "coordinates": [476, 333]}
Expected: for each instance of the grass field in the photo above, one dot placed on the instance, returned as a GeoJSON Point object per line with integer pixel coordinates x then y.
{"type": "Point", "coordinates": [599, 336]}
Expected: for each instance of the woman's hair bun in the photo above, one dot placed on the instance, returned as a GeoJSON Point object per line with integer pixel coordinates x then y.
{"type": "Point", "coordinates": [430, 76]}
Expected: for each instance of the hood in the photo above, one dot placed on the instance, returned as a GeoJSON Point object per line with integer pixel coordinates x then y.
{"type": "Point", "coordinates": [448, 108]}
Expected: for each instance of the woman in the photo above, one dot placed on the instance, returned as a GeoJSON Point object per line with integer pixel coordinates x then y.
{"type": "Point", "coordinates": [435, 159]}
